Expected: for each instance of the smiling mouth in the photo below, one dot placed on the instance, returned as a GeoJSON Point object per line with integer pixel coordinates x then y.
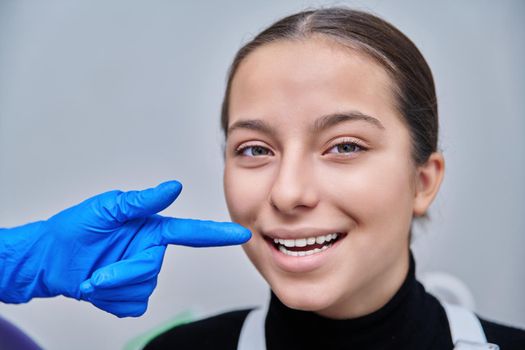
{"type": "Point", "coordinates": [305, 246]}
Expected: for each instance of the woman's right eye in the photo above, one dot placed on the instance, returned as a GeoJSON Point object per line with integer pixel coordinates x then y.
{"type": "Point", "coordinates": [253, 151]}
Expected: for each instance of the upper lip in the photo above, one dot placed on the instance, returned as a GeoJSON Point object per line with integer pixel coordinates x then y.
{"type": "Point", "coordinates": [286, 233]}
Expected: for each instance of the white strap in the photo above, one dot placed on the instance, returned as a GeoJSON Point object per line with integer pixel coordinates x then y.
{"type": "Point", "coordinates": [465, 329]}
{"type": "Point", "coordinates": [252, 333]}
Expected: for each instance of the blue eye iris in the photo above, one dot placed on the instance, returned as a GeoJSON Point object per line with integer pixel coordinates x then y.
{"type": "Point", "coordinates": [254, 151]}
{"type": "Point", "coordinates": [346, 147]}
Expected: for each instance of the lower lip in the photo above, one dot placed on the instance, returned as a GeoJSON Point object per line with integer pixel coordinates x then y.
{"type": "Point", "coordinates": [302, 264]}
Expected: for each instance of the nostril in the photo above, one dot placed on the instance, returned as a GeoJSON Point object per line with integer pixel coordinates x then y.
{"type": "Point", "coordinates": [291, 209]}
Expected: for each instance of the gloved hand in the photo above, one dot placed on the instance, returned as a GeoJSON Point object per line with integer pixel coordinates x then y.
{"type": "Point", "coordinates": [107, 250]}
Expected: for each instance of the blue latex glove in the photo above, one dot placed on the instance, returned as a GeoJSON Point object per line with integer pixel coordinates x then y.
{"type": "Point", "coordinates": [107, 250]}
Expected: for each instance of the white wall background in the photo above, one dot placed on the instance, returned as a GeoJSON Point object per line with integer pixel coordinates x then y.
{"type": "Point", "coordinates": [99, 95]}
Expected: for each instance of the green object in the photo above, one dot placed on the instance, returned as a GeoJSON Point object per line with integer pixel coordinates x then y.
{"type": "Point", "coordinates": [139, 342]}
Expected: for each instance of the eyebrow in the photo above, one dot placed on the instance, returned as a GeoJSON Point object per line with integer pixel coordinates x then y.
{"type": "Point", "coordinates": [330, 120]}
{"type": "Point", "coordinates": [252, 124]}
{"type": "Point", "coordinates": [319, 125]}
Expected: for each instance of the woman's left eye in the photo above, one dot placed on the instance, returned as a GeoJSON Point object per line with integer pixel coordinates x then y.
{"type": "Point", "coordinates": [346, 148]}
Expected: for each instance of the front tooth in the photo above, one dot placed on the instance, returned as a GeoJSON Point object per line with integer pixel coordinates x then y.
{"type": "Point", "coordinates": [301, 242]}
{"type": "Point", "coordinates": [301, 253]}
{"type": "Point", "coordinates": [293, 253]}
{"type": "Point", "coordinates": [289, 242]}
{"type": "Point", "coordinates": [310, 241]}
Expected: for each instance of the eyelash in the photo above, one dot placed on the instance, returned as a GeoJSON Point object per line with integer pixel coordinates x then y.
{"type": "Point", "coordinates": [351, 142]}
{"type": "Point", "coordinates": [354, 143]}
{"type": "Point", "coordinates": [239, 151]}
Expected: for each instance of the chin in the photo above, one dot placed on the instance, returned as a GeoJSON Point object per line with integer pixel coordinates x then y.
{"type": "Point", "coordinates": [305, 298]}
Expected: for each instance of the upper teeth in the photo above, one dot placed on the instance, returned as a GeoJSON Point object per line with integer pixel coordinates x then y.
{"type": "Point", "coordinates": [303, 242]}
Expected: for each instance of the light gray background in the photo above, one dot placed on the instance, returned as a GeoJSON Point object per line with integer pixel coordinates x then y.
{"type": "Point", "coordinates": [99, 95]}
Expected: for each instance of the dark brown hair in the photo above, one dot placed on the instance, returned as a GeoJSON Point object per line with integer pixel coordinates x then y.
{"type": "Point", "coordinates": [413, 83]}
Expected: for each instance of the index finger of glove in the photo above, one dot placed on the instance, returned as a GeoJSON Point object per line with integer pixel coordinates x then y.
{"type": "Point", "coordinates": [202, 233]}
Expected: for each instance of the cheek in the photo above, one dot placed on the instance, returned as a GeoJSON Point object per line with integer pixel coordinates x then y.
{"type": "Point", "coordinates": [246, 190]}
{"type": "Point", "coordinates": [246, 193]}
{"type": "Point", "coordinates": [376, 193]}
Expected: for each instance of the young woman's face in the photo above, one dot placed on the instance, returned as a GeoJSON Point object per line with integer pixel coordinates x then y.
{"type": "Point", "coordinates": [318, 158]}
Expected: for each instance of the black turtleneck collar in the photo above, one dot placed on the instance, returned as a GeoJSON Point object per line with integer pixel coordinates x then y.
{"type": "Point", "coordinates": [412, 319]}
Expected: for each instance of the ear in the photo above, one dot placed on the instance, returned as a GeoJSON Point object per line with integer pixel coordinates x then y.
{"type": "Point", "coordinates": [428, 181]}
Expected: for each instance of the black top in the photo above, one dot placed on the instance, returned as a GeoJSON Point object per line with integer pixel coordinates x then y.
{"type": "Point", "coordinates": [412, 319]}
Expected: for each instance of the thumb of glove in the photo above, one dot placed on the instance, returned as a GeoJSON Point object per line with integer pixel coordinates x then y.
{"type": "Point", "coordinates": [138, 204]}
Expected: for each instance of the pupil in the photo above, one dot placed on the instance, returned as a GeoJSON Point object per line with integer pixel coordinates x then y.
{"type": "Point", "coordinates": [257, 151]}
{"type": "Point", "coordinates": [345, 148]}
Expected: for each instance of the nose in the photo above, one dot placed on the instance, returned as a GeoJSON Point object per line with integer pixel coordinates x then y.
{"type": "Point", "coordinates": [294, 188]}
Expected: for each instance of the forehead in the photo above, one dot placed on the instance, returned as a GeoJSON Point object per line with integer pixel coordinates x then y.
{"type": "Point", "coordinates": [289, 81]}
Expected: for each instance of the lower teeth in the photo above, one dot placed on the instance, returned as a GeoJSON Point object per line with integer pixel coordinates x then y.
{"type": "Point", "coordinates": [283, 250]}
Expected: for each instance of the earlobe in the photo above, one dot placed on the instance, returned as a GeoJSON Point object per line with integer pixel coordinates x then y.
{"type": "Point", "coordinates": [428, 180]}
